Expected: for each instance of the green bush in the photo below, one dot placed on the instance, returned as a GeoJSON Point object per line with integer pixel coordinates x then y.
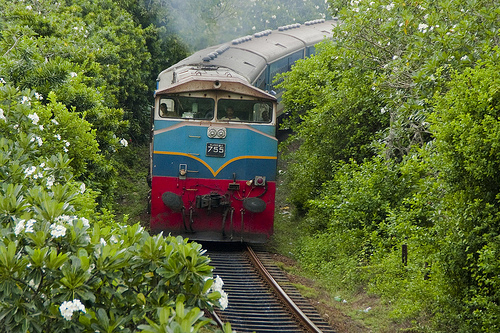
{"type": "Point", "coordinates": [64, 267]}
{"type": "Point", "coordinates": [467, 130]}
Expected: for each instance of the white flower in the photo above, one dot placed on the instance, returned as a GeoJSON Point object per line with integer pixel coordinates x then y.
{"type": "Point", "coordinates": [82, 188]}
{"type": "Point", "coordinates": [25, 100]}
{"type": "Point", "coordinates": [124, 142]}
{"type": "Point", "coordinates": [66, 143]}
{"type": "Point", "coordinates": [38, 96]}
{"type": "Point", "coordinates": [2, 80]}
{"type": "Point", "coordinates": [73, 74]}
{"type": "Point", "coordinates": [464, 58]}
{"type": "Point", "coordinates": [85, 222]}
{"type": "Point", "coordinates": [68, 307]}
{"type": "Point", "coordinates": [34, 117]}
{"type": "Point", "coordinates": [223, 300]}
{"type": "Point", "coordinates": [29, 225]}
{"type": "Point", "coordinates": [103, 242]}
{"type": "Point", "coordinates": [217, 286]}
{"type": "Point", "coordinates": [41, 127]}
{"type": "Point", "coordinates": [218, 283]}
{"type": "Point", "coordinates": [37, 139]}
{"type": "Point", "coordinates": [113, 239]}
{"type": "Point", "coordinates": [2, 116]}
{"type": "Point", "coordinates": [395, 57]}
{"type": "Point", "coordinates": [29, 171]}
{"type": "Point", "coordinates": [65, 218]}
{"type": "Point", "coordinates": [423, 27]}
{"type": "Point", "coordinates": [57, 136]}
{"type": "Point", "coordinates": [50, 181]}
{"type": "Point", "coordinates": [29, 7]}
{"type": "Point", "coordinates": [19, 227]}
{"type": "Point", "coordinates": [57, 230]}
{"type": "Point", "coordinates": [389, 7]}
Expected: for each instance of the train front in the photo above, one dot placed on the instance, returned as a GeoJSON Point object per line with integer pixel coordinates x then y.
{"type": "Point", "coordinates": [213, 158]}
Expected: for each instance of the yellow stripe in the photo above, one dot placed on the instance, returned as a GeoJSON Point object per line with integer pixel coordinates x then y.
{"type": "Point", "coordinates": [215, 173]}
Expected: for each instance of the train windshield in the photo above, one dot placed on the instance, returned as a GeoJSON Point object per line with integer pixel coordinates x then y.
{"type": "Point", "coordinates": [244, 110]}
{"type": "Point", "coordinates": [182, 107]}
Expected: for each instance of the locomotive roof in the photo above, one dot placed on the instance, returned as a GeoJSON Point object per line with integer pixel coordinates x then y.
{"type": "Point", "coordinates": [205, 81]}
{"type": "Point", "coordinates": [249, 56]}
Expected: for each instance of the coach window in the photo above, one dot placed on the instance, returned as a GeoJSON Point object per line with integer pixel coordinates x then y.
{"type": "Point", "coordinates": [183, 107]}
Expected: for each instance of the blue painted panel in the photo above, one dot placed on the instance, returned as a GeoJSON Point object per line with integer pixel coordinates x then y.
{"type": "Point", "coordinates": [248, 152]}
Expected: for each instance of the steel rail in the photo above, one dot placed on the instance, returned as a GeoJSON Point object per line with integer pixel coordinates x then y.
{"type": "Point", "coordinates": [282, 294]}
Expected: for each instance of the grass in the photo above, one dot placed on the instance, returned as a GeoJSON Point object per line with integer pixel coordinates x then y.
{"type": "Point", "coordinates": [347, 308]}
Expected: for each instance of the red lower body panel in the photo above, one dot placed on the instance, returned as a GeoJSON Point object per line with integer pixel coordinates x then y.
{"type": "Point", "coordinates": [213, 210]}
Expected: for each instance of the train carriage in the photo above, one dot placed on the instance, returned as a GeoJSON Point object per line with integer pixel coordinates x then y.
{"type": "Point", "coordinates": [214, 147]}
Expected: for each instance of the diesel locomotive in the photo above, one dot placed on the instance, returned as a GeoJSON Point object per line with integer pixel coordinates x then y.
{"type": "Point", "coordinates": [214, 148]}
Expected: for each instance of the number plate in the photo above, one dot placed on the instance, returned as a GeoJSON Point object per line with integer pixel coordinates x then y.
{"type": "Point", "coordinates": [216, 149]}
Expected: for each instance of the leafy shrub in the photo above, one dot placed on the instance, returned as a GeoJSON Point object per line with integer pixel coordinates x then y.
{"type": "Point", "coordinates": [63, 267]}
{"type": "Point", "coordinates": [466, 126]}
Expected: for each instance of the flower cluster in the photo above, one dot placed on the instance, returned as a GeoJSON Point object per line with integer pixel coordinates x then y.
{"type": "Point", "coordinates": [57, 230]}
{"type": "Point", "coordinates": [27, 226]}
{"type": "Point", "coordinates": [217, 286]}
{"type": "Point", "coordinates": [67, 308]}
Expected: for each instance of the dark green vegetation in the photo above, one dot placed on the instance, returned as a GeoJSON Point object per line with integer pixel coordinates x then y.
{"type": "Point", "coordinates": [397, 125]}
{"type": "Point", "coordinates": [99, 59]}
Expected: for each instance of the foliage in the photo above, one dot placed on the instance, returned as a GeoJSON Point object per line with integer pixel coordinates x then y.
{"type": "Point", "coordinates": [332, 115]}
{"type": "Point", "coordinates": [466, 126]}
{"type": "Point", "coordinates": [420, 85]}
{"type": "Point", "coordinates": [100, 61]}
{"type": "Point", "coordinates": [64, 267]}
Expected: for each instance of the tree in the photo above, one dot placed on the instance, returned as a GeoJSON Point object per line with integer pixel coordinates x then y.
{"type": "Point", "coordinates": [425, 76]}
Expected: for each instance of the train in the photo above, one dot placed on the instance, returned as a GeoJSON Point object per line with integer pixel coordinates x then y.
{"type": "Point", "coordinates": [213, 151]}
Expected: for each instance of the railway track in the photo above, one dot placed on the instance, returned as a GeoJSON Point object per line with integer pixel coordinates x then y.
{"type": "Point", "coordinates": [261, 299]}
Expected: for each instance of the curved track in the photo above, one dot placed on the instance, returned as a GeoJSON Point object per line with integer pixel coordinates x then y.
{"type": "Point", "coordinates": [257, 302]}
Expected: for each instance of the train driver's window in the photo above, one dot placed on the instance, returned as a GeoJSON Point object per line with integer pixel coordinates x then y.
{"type": "Point", "coordinates": [244, 110]}
{"type": "Point", "coordinates": [186, 107]}
{"type": "Point", "coordinates": [167, 109]}
{"type": "Point", "coordinates": [262, 112]}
